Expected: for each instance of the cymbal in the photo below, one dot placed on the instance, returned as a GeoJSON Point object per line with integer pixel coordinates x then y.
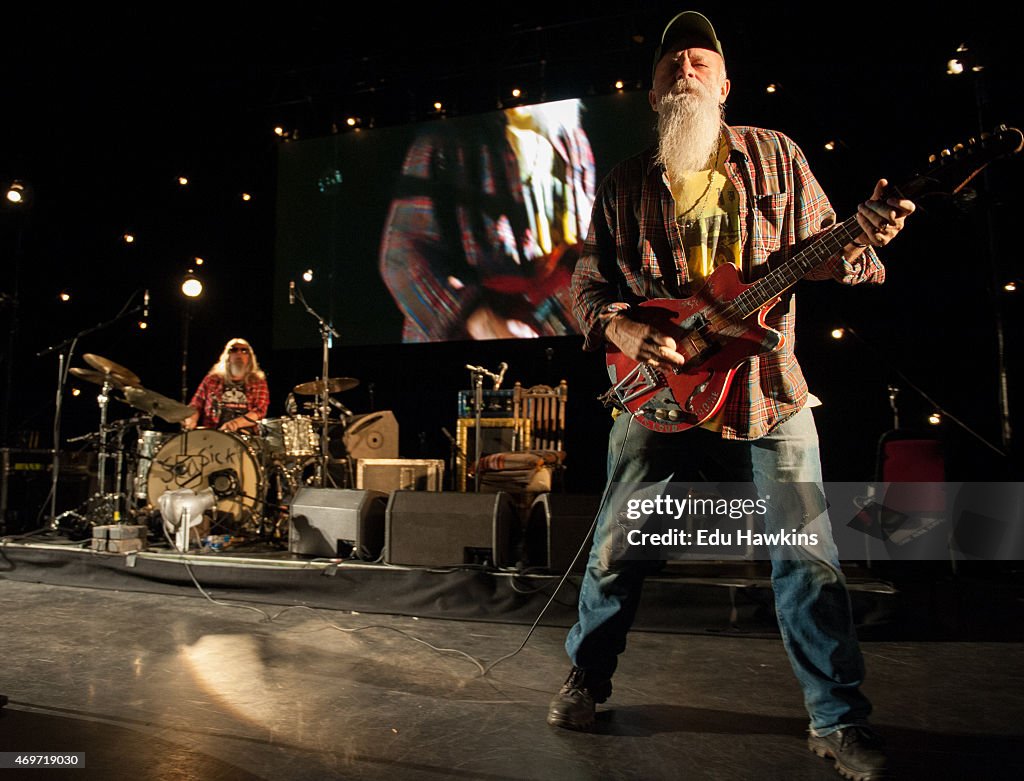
{"type": "Point", "coordinates": [334, 385]}
{"type": "Point", "coordinates": [107, 366]}
{"type": "Point", "coordinates": [157, 404]}
{"type": "Point", "coordinates": [94, 376]}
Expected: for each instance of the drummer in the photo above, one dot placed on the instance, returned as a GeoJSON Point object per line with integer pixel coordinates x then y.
{"type": "Point", "coordinates": [234, 395]}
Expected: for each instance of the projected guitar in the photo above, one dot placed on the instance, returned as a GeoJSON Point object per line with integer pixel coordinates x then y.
{"type": "Point", "coordinates": [723, 324]}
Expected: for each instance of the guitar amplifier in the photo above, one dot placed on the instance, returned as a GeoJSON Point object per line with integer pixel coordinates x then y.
{"type": "Point", "coordinates": [496, 404]}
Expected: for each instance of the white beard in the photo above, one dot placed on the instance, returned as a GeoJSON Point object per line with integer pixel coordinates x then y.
{"type": "Point", "coordinates": [236, 370]}
{"type": "Point", "coordinates": [689, 124]}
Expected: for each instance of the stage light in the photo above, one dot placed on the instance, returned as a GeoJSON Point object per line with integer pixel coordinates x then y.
{"type": "Point", "coordinates": [619, 85]}
{"type": "Point", "coordinates": [307, 275]}
{"type": "Point", "coordinates": [76, 391]}
{"type": "Point", "coordinates": [838, 333]}
{"type": "Point", "coordinates": [143, 325]}
{"type": "Point", "coordinates": [772, 88]}
{"type": "Point", "coordinates": [198, 261]}
{"type": "Point", "coordinates": [64, 296]}
{"type": "Point", "coordinates": [1010, 287]}
{"type": "Point", "coordinates": [352, 121]}
{"type": "Point", "coordinates": [191, 286]}
{"type": "Point", "coordinates": [516, 92]}
{"type": "Point", "coordinates": [246, 197]}
{"type": "Point", "coordinates": [128, 238]}
{"type": "Point", "coordinates": [954, 67]}
{"type": "Point", "coordinates": [935, 418]}
{"type": "Point", "coordinates": [830, 146]}
{"type": "Point", "coordinates": [438, 106]}
{"type": "Point", "coordinates": [183, 180]}
{"type": "Point", "coordinates": [279, 131]}
{"type": "Point", "coordinates": [17, 193]}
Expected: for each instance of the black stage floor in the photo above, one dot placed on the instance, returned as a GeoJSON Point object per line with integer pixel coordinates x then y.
{"type": "Point", "coordinates": [292, 669]}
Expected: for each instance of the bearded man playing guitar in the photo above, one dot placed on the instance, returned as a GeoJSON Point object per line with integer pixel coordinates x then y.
{"type": "Point", "coordinates": [714, 197]}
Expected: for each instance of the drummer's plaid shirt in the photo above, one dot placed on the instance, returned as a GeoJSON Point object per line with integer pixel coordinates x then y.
{"type": "Point", "coordinates": [634, 252]}
{"type": "Point", "coordinates": [208, 395]}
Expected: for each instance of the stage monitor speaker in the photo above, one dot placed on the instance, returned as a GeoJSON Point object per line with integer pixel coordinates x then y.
{"type": "Point", "coordinates": [556, 527]}
{"type": "Point", "coordinates": [426, 529]}
{"type": "Point", "coordinates": [374, 435]}
{"type": "Point", "coordinates": [337, 523]}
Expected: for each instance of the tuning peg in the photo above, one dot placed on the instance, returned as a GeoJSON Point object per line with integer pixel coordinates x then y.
{"type": "Point", "coordinates": [932, 158]}
{"type": "Point", "coordinates": [945, 153]}
{"type": "Point", "coordinates": [958, 147]}
{"type": "Point", "coordinates": [972, 141]}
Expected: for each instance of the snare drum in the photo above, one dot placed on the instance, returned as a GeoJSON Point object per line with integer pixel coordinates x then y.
{"type": "Point", "coordinates": [205, 458]}
{"type": "Point", "coordinates": [273, 437]}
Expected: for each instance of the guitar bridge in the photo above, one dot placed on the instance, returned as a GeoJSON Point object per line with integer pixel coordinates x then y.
{"type": "Point", "coordinates": [643, 379]}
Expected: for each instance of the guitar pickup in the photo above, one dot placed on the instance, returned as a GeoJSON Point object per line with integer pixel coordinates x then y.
{"type": "Point", "coordinates": [643, 379]}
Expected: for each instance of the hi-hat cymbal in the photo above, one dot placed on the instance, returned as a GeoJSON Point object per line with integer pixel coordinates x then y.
{"type": "Point", "coordinates": [107, 366]}
{"type": "Point", "coordinates": [334, 385]}
{"type": "Point", "coordinates": [157, 404]}
{"type": "Point", "coordinates": [94, 376]}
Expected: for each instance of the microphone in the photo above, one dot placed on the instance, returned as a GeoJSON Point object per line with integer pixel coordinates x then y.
{"type": "Point", "coordinates": [291, 292]}
{"type": "Point", "coordinates": [502, 368]}
{"type": "Point", "coordinates": [145, 305]}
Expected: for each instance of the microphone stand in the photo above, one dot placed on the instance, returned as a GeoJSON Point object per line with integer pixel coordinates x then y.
{"type": "Point", "coordinates": [63, 365]}
{"type": "Point", "coordinates": [326, 332]}
{"type": "Point", "coordinates": [478, 373]}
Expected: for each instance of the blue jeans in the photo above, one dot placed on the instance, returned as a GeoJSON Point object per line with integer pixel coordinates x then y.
{"type": "Point", "coordinates": [811, 600]}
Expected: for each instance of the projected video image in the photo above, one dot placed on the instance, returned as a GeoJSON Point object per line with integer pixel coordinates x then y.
{"type": "Point", "coordinates": [453, 229]}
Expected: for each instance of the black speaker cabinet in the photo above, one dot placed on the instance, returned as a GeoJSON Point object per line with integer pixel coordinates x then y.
{"type": "Point", "coordinates": [337, 523]}
{"type": "Point", "coordinates": [26, 477]}
{"type": "Point", "coordinates": [426, 529]}
{"type": "Point", "coordinates": [556, 527]}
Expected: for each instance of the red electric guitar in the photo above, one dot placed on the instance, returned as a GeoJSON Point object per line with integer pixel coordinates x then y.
{"type": "Point", "coordinates": [723, 324]}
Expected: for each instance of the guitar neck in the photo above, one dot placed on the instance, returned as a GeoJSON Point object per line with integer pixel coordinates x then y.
{"type": "Point", "coordinates": [776, 282]}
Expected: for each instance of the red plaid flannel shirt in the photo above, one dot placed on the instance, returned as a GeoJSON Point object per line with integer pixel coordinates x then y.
{"type": "Point", "coordinates": [634, 253]}
{"type": "Point", "coordinates": [208, 394]}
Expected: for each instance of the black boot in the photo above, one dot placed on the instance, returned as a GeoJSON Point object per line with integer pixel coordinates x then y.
{"type": "Point", "coordinates": [857, 751]}
{"type": "Point", "coordinates": [573, 706]}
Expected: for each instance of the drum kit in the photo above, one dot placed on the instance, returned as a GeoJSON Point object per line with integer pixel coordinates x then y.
{"type": "Point", "coordinates": [252, 474]}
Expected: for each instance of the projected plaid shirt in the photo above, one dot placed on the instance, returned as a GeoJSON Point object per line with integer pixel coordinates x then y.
{"type": "Point", "coordinates": [634, 253]}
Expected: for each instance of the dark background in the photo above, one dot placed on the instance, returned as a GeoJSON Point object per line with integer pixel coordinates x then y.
{"type": "Point", "coordinates": [105, 109]}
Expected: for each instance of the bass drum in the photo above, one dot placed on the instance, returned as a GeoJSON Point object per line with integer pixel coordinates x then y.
{"type": "Point", "coordinates": [206, 458]}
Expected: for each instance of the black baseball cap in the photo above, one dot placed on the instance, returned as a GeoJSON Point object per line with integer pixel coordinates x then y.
{"type": "Point", "coordinates": [688, 24]}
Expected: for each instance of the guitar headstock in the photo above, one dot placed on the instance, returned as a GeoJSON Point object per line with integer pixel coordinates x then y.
{"type": "Point", "coordinates": [949, 171]}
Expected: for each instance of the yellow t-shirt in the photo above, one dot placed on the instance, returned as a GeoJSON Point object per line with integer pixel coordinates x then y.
{"type": "Point", "coordinates": [708, 220]}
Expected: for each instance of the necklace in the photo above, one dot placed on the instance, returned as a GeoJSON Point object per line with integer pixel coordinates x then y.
{"type": "Point", "coordinates": [702, 200]}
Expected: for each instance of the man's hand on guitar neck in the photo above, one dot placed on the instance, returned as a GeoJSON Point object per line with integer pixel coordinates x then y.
{"type": "Point", "coordinates": [882, 219]}
{"type": "Point", "coordinates": [642, 342]}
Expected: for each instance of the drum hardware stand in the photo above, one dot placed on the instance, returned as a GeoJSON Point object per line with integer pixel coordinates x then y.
{"type": "Point", "coordinates": [63, 366]}
{"type": "Point", "coordinates": [456, 454]}
{"type": "Point", "coordinates": [326, 332]}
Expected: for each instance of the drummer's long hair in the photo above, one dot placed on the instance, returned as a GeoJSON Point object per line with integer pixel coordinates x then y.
{"type": "Point", "coordinates": [221, 367]}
